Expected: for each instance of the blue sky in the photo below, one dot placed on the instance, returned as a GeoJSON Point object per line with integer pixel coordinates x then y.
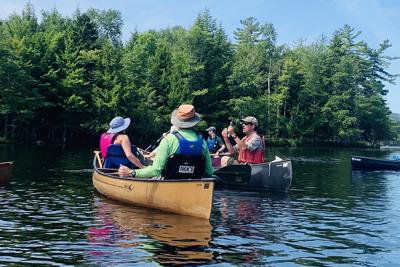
{"type": "Point", "coordinates": [293, 19]}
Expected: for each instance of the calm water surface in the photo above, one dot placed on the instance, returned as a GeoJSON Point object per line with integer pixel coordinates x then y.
{"type": "Point", "coordinates": [50, 215]}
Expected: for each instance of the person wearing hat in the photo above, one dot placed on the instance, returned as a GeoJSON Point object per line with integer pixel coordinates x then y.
{"type": "Point", "coordinates": [214, 142]}
{"type": "Point", "coordinates": [185, 141]}
{"type": "Point", "coordinates": [116, 135]}
{"type": "Point", "coordinates": [250, 148]}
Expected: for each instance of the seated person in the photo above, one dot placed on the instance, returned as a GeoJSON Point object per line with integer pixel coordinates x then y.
{"type": "Point", "coordinates": [183, 144]}
{"type": "Point", "coordinates": [251, 147]}
{"type": "Point", "coordinates": [214, 142]}
{"type": "Point", "coordinates": [116, 147]}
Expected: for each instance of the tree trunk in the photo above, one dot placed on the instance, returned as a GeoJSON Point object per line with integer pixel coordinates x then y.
{"type": "Point", "coordinates": [269, 88]}
{"type": "Point", "coordinates": [6, 127]}
{"type": "Point", "coordinates": [277, 121]}
{"type": "Point", "coordinates": [64, 134]}
{"type": "Point", "coordinates": [13, 128]}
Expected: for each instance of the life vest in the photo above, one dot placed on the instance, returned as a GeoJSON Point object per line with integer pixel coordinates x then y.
{"type": "Point", "coordinates": [213, 144]}
{"type": "Point", "coordinates": [254, 157]}
{"type": "Point", "coordinates": [116, 157]}
{"type": "Point", "coordinates": [188, 162]}
{"type": "Point", "coordinates": [106, 140]}
{"type": "Point", "coordinates": [113, 154]}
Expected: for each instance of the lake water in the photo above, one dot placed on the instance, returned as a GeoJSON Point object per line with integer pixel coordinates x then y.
{"type": "Point", "coordinates": [50, 215]}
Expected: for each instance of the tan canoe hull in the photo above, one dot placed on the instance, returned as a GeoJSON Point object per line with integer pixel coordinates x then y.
{"type": "Point", "coordinates": [186, 197]}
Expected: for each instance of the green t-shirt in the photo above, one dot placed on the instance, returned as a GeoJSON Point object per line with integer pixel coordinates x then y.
{"type": "Point", "coordinates": [169, 145]}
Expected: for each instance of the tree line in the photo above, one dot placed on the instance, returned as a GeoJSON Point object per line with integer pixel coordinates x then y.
{"type": "Point", "coordinates": [64, 78]}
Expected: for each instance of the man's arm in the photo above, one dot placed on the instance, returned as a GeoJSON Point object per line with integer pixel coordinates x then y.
{"type": "Point", "coordinates": [241, 145]}
{"type": "Point", "coordinates": [153, 170]}
{"type": "Point", "coordinates": [228, 144]}
{"type": "Point", "coordinates": [221, 145]}
{"type": "Point", "coordinates": [158, 164]}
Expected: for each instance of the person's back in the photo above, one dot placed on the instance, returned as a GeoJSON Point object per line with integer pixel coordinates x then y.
{"type": "Point", "coordinates": [106, 140]}
{"type": "Point", "coordinates": [170, 145]}
{"type": "Point", "coordinates": [187, 158]}
{"type": "Point", "coordinates": [119, 143]}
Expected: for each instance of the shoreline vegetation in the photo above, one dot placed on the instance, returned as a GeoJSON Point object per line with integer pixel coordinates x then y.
{"type": "Point", "coordinates": [271, 143]}
{"type": "Point", "coordinates": [63, 78]}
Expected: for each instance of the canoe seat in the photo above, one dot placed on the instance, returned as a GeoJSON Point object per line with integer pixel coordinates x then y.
{"type": "Point", "coordinates": [183, 167]}
{"type": "Point", "coordinates": [116, 157]}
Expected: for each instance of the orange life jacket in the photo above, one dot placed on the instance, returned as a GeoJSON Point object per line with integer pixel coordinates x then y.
{"type": "Point", "coordinates": [254, 157]}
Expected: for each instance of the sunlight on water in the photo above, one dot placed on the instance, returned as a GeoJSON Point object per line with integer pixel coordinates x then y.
{"type": "Point", "coordinates": [51, 216]}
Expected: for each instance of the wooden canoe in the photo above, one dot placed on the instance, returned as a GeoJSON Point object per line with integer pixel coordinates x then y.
{"type": "Point", "coordinates": [372, 164]}
{"type": "Point", "coordinates": [5, 172]}
{"type": "Point", "coordinates": [272, 176]}
{"type": "Point", "coordinates": [186, 197]}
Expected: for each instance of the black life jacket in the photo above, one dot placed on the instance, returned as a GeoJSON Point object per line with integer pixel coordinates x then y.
{"type": "Point", "coordinates": [188, 162]}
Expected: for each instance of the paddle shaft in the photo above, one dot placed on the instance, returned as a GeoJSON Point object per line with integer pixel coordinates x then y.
{"type": "Point", "coordinates": [151, 146]}
{"type": "Point", "coordinates": [220, 154]}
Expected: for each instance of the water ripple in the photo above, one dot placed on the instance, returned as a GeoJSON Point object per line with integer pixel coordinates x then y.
{"type": "Point", "coordinates": [51, 216]}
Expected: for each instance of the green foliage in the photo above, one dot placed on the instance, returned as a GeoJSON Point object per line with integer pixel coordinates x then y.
{"type": "Point", "coordinates": [66, 76]}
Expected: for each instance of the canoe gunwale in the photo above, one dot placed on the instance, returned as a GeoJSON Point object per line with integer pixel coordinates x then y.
{"type": "Point", "coordinates": [267, 176]}
{"type": "Point", "coordinates": [255, 164]}
{"type": "Point", "coordinates": [360, 163]}
{"type": "Point", "coordinates": [150, 180]}
{"type": "Point", "coordinates": [397, 162]}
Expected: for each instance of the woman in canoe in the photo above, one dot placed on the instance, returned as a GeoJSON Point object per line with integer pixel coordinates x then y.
{"type": "Point", "coordinates": [115, 146]}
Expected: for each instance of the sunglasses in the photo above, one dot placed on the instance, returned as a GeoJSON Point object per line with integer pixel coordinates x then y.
{"type": "Point", "coordinates": [246, 123]}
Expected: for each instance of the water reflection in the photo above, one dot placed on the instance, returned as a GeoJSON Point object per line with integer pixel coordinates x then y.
{"type": "Point", "coordinates": [162, 237]}
{"type": "Point", "coordinates": [49, 216]}
{"type": "Point", "coordinates": [246, 222]}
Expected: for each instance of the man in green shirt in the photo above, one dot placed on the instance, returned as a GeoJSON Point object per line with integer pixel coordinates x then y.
{"type": "Point", "coordinates": [184, 118]}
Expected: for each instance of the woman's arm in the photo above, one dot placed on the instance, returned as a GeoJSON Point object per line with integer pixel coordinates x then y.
{"type": "Point", "coordinates": [127, 147]}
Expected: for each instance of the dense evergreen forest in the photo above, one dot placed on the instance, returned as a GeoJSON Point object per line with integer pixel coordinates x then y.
{"type": "Point", "coordinates": [62, 79]}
